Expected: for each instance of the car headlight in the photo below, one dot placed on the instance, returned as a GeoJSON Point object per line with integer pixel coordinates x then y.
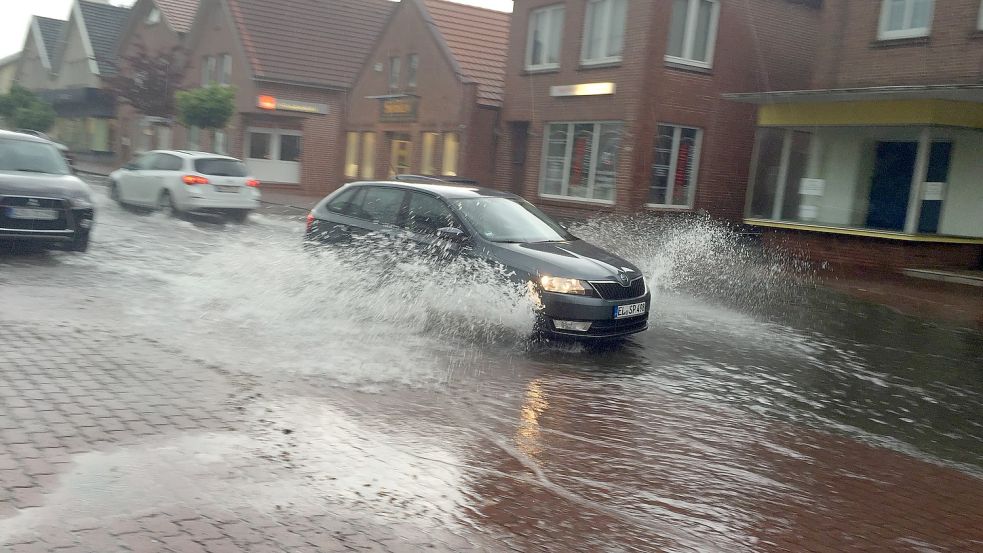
{"type": "Point", "coordinates": [80, 203]}
{"type": "Point", "coordinates": [561, 285]}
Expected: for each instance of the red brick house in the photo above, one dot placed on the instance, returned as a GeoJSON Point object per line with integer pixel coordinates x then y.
{"type": "Point", "coordinates": [615, 105]}
{"type": "Point", "coordinates": [292, 65]}
{"type": "Point", "coordinates": [879, 161]}
{"type": "Point", "coordinates": [429, 96]}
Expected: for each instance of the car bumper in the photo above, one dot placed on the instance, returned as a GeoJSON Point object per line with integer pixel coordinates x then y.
{"type": "Point", "coordinates": [247, 199]}
{"type": "Point", "coordinates": [600, 313]}
{"type": "Point", "coordinates": [76, 223]}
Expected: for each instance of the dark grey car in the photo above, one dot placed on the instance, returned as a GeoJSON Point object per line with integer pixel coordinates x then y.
{"type": "Point", "coordinates": [584, 291]}
{"type": "Point", "coordinates": [40, 199]}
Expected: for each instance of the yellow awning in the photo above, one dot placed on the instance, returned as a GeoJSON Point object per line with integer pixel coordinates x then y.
{"type": "Point", "coordinates": [950, 113]}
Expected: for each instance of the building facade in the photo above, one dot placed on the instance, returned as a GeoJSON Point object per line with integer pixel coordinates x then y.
{"type": "Point", "coordinates": [292, 66]}
{"type": "Point", "coordinates": [8, 72]}
{"type": "Point", "coordinates": [428, 98]}
{"type": "Point", "coordinates": [879, 162]}
{"type": "Point", "coordinates": [615, 105]}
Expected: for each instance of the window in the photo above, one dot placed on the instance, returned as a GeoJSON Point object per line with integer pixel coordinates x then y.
{"type": "Point", "coordinates": [382, 205]}
{"type": "Point", "coordinates": [221, 167]}
{"type": "Point", "coordinates": [194, 138]}
{"type": "Point", "coordinates": [220, 145]}
{"type": "Point", "coordinates": [368, 155]}
{"type": "Point", "coordinates": [153, 16]}
{"type": "Point", "coordinates": [545, 36]}
{"type": "Point", "coordinates": [451, 147]}
{"type": "Point", "coordinates": [207, 70]}
{"type": "Point", "coordinates": [225, 76]}
{"type": "Point", "coordinates": [412, 64]}
{"type": "Point", "coordinates": [427, 214]}
{"type": "Point", "coordinates": [604, 31]}
{"type": "Point", "coordinates": [581, 160]}
{"type": "Point", "coordinates": [351, 155]}
{"type": "Point", "coordinates": [905, 18]}
{"type": "Point", "coordinates": [34, 157]}
{"type": "Point", "coordinates": [427, 166]}
{"type": "Point", "coordinates": [260, 145]}
{"type": "Point", "coordinates": [167, 162]}
{"type": "Point", "coordinates": [401, 154]}
{"type": "Point", "coordinates": [346, 203]}
{"type": "Point", "coordinates": [394, 63]}
{"type": "Point", "coordinates": [675, 160]}
{"type": "Point", "coordinates": [693, 32]}
{"type": "Point", "coordinates": [290, 147]}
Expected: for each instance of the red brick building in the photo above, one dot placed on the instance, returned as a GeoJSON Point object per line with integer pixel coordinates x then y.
{"type": "Point", "coordinates": [292, 65]}
{"type": "Point", "coordinates": [429, 96]}
{"type": "Point", "coordinates": [615, 105]}
{"type": "Point", "coordinates": [879, 162]}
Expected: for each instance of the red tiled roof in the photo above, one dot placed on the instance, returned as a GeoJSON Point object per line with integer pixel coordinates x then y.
{"type": "Point", "coordinates": [321, 42]}
{"type": "Point", "coordinates": [478, 39]}
{"type": "Point", "coordinates": [180, 14]}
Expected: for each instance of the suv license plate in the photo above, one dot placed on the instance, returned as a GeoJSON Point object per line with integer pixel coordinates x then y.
{"type": "Point", "coordinates": [226, 188]}
{"type": "Point", "coordinates": [630, 310]}
{"type": "Point", "coordinates": [32, 213]}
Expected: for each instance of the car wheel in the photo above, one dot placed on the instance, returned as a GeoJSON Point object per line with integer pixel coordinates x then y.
{"type": "Point", "coordinates": [240, 216]}
{"type": "Point", "coordinates": [81, 242]}
{"type": "Point", "coordinates": [114, 192]}
{"type": "Point", "coordinates": [165, 204]}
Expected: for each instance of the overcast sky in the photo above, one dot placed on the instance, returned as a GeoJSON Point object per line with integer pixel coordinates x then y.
{"type": "Point", "coordinates": [17, 14]}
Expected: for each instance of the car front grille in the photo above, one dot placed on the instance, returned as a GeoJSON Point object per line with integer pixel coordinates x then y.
{"type": "Point", "coordinates": [615, 291]}
{"type": "Point", "coordinates": [6, 222]}
{"type": "Point", "coordinates": [618, 326]}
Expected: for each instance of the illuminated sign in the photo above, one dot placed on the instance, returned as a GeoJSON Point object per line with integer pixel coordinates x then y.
{"type": "Point", "coordinates": [585, 89]}
{"type": "Point", "coordinates": [398, 109]}
{"type": "Point", "coordinates": [272, 103]}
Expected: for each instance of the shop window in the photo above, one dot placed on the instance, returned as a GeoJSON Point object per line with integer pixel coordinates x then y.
{"type": "Point", "coordinates": [545, 38]}
{"type": "Point", "coordinates": [581, 160]}
{"type": "Point", "coordinates": [693, 32]}
{"type": "Point", "coordinates": [394, 67]}
{"type": "Point", "coordinates": [427, 166]}
{"type": "Point", "coordinates": [905, 18]}
{"type": "Point", "coordinates": [412, 64]}
{"type": "Point", "coordinates": [290, 147]}
{"type": "Point", "coordinates": [675, 160]}
{"type": "Point", "coordinates": [207, 70]}
{"type": "Point", "coordinates": [368, 155]}
{"type": "Point", "coordinates": [220, 145]}
{"type": "Point", "coordinates": [401, 152]}
{"type": "Point", "coordinates": [604, 31]}
{"type": "Point", "coordinates": [351, 155]}
{"type": "Point", "coordinates": [225, 70]}
{"type": "Point", "coordinates": [194, 138]}
{"type": "Point", "coordinates": [260, 145]}
{"type": "Point", "coordinates": [451, 148]}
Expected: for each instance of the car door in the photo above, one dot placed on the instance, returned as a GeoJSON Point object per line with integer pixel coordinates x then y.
{"type": "Point", "coordinates": [128, 182]}
{"type": "Point", "coordinates": [165, 167]}
{"type": "Point", "coordinates": [425, 214]}
{"type": "Point", "coordinates": [383, 208]}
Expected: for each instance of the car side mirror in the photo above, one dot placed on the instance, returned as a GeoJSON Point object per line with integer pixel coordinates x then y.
{"type": "Point", "coordinates": [453, 234]}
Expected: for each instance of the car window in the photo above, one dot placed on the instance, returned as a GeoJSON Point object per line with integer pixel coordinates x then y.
{"type": "Point", "coordinates": [221, 167]}
{"type": "Point", "coordinates": [167, 162]}
{"type": "Point", "coordinates": [342, 203]}
{"type": "Point", "coordinates": [143, 162]}
{"type": "Point", "coordinates": [505, 219]}
{"type": "Point", "coordinates": [382, 205]}
{"type": "Point", "coordinates": [31, 157]}
{"type": "Point", "coordinates": [426, 214]}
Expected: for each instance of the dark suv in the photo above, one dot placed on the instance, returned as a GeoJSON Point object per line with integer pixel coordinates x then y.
{"type": "Point", "coordinates": [583, 290]}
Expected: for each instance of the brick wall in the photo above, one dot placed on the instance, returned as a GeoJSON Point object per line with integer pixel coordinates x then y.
{"type": "Point", "coordinates": [843, 251]}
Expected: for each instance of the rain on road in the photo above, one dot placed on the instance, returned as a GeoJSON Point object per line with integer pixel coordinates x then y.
{"type": "Point", "coordinates": [758, 413]}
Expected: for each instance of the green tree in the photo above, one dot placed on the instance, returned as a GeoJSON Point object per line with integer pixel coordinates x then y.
{"type": "Point", "coordinates": [37, 116]}
{"type": "Point", "coordinates": [18, 97]}
{"type": "Point", "coordinates": [210, 107]}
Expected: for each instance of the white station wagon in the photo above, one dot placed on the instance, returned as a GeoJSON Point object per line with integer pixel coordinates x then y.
{"type": "Point", "coordinates": [179, 180]}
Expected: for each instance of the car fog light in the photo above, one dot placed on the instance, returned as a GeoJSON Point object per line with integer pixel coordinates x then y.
{"type": "Point", "coordinates": [577, 326]}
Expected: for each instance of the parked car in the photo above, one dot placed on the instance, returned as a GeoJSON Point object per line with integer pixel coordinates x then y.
{"type": "Point", "coordinates": [65, 151]}
{"type": "Point", "coordinates": [583, 291]}
{"type": "Point", "coordinates": [181, 180]}
{"type": "Point", "coordinates": [40, 199]}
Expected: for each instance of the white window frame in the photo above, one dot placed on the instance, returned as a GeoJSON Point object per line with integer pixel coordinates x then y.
{"type": "Point", "coordinates": [412, 66]}
{"type": "Point", "coordinates": [908, 32]}
{"type": "Point", "coordinates": [207, 70]}
{"type": "Point", "coordinates": [552, 11]}
{"type": "Point", "coordinates": [677, 138]}
{"type": "Point", "coordinates": [606, 37]}
{"type": "Point", "coordinates": [225, 69]}
{"type": "Point", "coordinates": [689, 36]}
{"type": "Point", "coordinates": [568, 160]}
{"type": "Point", "coordinates": [395, 72]}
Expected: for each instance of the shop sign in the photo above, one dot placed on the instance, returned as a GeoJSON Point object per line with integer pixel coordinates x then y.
{"type": "Point", "coordinates": [272, 103]}
{"type": "Point", "coordinates": [812, 187]}
{"type": "Point", "coordinates": [398, 109]}
{"type": "Point", "coordinates": [933, 191]}
{"type": "Point", "coordinates": [583, 89]}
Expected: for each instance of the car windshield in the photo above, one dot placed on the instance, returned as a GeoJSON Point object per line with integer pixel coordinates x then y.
{"type": "Point", "coordinates": [510, 220]}
{"type": "Point", "coordinates": [31, 157]}
{"type": "Point", "coordinates": [220, 167]}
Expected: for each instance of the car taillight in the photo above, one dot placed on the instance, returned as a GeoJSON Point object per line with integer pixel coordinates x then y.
{"type": "Point", "coordinates": [252, 182]}
{"type": "Point", "coordinates": [194, 179]}
{"type": "Point", "coordinates": [310, 221]}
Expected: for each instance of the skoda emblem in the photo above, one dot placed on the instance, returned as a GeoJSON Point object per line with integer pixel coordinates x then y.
{"type": "Point", "coordinates": [623, 278]}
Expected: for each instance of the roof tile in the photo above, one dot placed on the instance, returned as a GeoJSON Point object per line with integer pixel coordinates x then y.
{"type": "Point", "coordinates": [105, 25]}
{"type": "Point", "coordinates": [180, 14]}
{"type": "Point", "coordinates": [51, 30]}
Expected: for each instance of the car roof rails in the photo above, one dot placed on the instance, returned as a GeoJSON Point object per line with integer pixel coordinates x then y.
{"type": "Point", "coordinates": [441, 180]}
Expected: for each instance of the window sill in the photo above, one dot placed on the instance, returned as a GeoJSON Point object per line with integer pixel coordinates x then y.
{"type": "Point", "coordinates": [692, 68]}
{"type": "Point", "coordinates": [664, 207]}
{"type": "Point", "coordinates": [575, 200]}
{"type": "Point", "coordinates": [603, 64]}
{"type": "Point", "coordinates": [540, 70]}
{"type": "Point", "coordinates": [889, 42]}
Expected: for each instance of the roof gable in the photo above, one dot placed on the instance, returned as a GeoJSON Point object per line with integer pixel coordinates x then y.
{"type": "Point", "coordinates": [179, 14]}
{"type": "Point", "coordinates": [51, 32]}
{"type": "Point", "coordinates": [322, 43]}
{"type": "Point", "coordinates": [477, 39]}
{"type": "Point", "coordinates": [101, 26]}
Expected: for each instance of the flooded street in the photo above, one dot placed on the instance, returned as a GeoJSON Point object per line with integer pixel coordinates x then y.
{"type": "Point", "coordinates": [759, 412]}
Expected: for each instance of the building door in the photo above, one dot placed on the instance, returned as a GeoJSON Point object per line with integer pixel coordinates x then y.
{"type": "Point", "coordinates": [399, 158]}
{"type": "Point", "coordinates": [894, 166]}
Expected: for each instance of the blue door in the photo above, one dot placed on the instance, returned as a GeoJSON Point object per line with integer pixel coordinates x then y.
{"type": "Point", "coordinates": [894, 166]}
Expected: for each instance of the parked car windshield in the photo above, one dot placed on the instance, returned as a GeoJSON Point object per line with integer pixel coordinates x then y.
{"type": "Point", "coordinates": [31, 157]}
{"type": "Point", "coordinates": [221, 167]}
{"type": "Point", "coordinates": [510, 220]}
